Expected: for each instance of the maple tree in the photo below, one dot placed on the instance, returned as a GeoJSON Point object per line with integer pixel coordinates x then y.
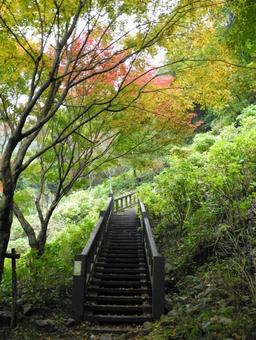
{"type": "Point", "coordinates": [132, 128]}
{"type": "Point", "coordinates": [43, 78]}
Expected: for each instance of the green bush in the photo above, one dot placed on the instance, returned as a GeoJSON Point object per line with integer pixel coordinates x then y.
{"type": "Point", "coordinates": [203, 141]}
{"type": "Point", "coordinates": [202, 195]}
{"type": "Point", "coordinates": [41, 279]}
{"type": "Point", "coordinates": [248, 115]}
{"type": "Point", "coordinates": [17, 232]}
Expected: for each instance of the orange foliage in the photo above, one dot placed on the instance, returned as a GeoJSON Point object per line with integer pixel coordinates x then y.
{"type": "Point", "coordinates": [99, 64]}
{"type": "Point", "coordinates": [95, 63]}
{"type": "Point", "coordinates": [151, 78]}
{"type": "Point", "coordinates": [97, 69]}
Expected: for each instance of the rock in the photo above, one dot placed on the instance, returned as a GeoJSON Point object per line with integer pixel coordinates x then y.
{"type": "Point", "coordinates": [46, 325]}
{"type": "Point", "coordinates": [147, 325]}
{"type": "Point", "coordinates": [105, 337]}
{"type": "Point", "coordinates": [168, 268]}
{"type": "Point", "coordinates": [5, 317]}
{"type": "Point", "coordinates": [70, 322]}
{"type": "Point", "coordinates": [225, 321]}
{"type": "Point", "coordinates": [27, 309]}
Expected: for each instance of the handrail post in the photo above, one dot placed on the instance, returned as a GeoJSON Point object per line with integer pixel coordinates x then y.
{"type": "Point", "coordinates": [158, 300]}
{"type": "Point", "coordinates": [143, 215]}
{"type": "Point", "coordinates": [79, 284]}
{"type": "Point", "coordinates": [112, 208]}
{"type": "Point", "coordinates": [125, 201]}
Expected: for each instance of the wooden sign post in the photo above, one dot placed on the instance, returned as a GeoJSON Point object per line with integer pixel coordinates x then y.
{"type": "Point", "coordinates": [14, 257]}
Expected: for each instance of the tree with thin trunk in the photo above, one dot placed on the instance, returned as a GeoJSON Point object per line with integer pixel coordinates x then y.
{"type": "Point", "coordinates": [44, 69]}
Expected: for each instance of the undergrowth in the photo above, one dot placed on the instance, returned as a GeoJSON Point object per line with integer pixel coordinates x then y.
{"type": "Point", "coordinates": [204, 211]}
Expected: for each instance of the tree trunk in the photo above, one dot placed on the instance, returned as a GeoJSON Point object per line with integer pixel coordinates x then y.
{"type": "Point", "coordinates": [42, 236]}
{"type": "Point", "coordinates": [36, 243]}
{"type": "Point", "coordinates": [41, 239]}
{"type": "Point", "coordinates": [26, 226]}
{"type": "Point", "coordinates": [6, 207]}
{"type": "Point", "coordinates": [137, 180]}
{"type": "Point", "coordinates": [6, 213]}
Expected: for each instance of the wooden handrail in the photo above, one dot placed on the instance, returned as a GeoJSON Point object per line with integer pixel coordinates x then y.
{"type": "Point", "coordinates": [84, 262]}
{"type": "Point", "coordinates": [102, 218]}
{"type": "Point", "coordinates": [125, 201]}
{"type": "Point", "coordinates": [147, 230]}
{"type": "Point", "coordinates": [156, 264]}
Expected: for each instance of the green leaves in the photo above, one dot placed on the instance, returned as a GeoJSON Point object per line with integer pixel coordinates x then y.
{"type": "Point", "coordinates": [209, 184]}
{"type": "Point", "coordinates": [241, 29]}
{"type": "Point", "coordinates": [204, 208]}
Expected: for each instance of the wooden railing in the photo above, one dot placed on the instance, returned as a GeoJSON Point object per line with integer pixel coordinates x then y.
{"type": "Point", "coordinates": [84, 262]}
{"type": "Point", "coordinates": [156, 265]}
{"type": "Point", "coordinates": [125, 201]}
